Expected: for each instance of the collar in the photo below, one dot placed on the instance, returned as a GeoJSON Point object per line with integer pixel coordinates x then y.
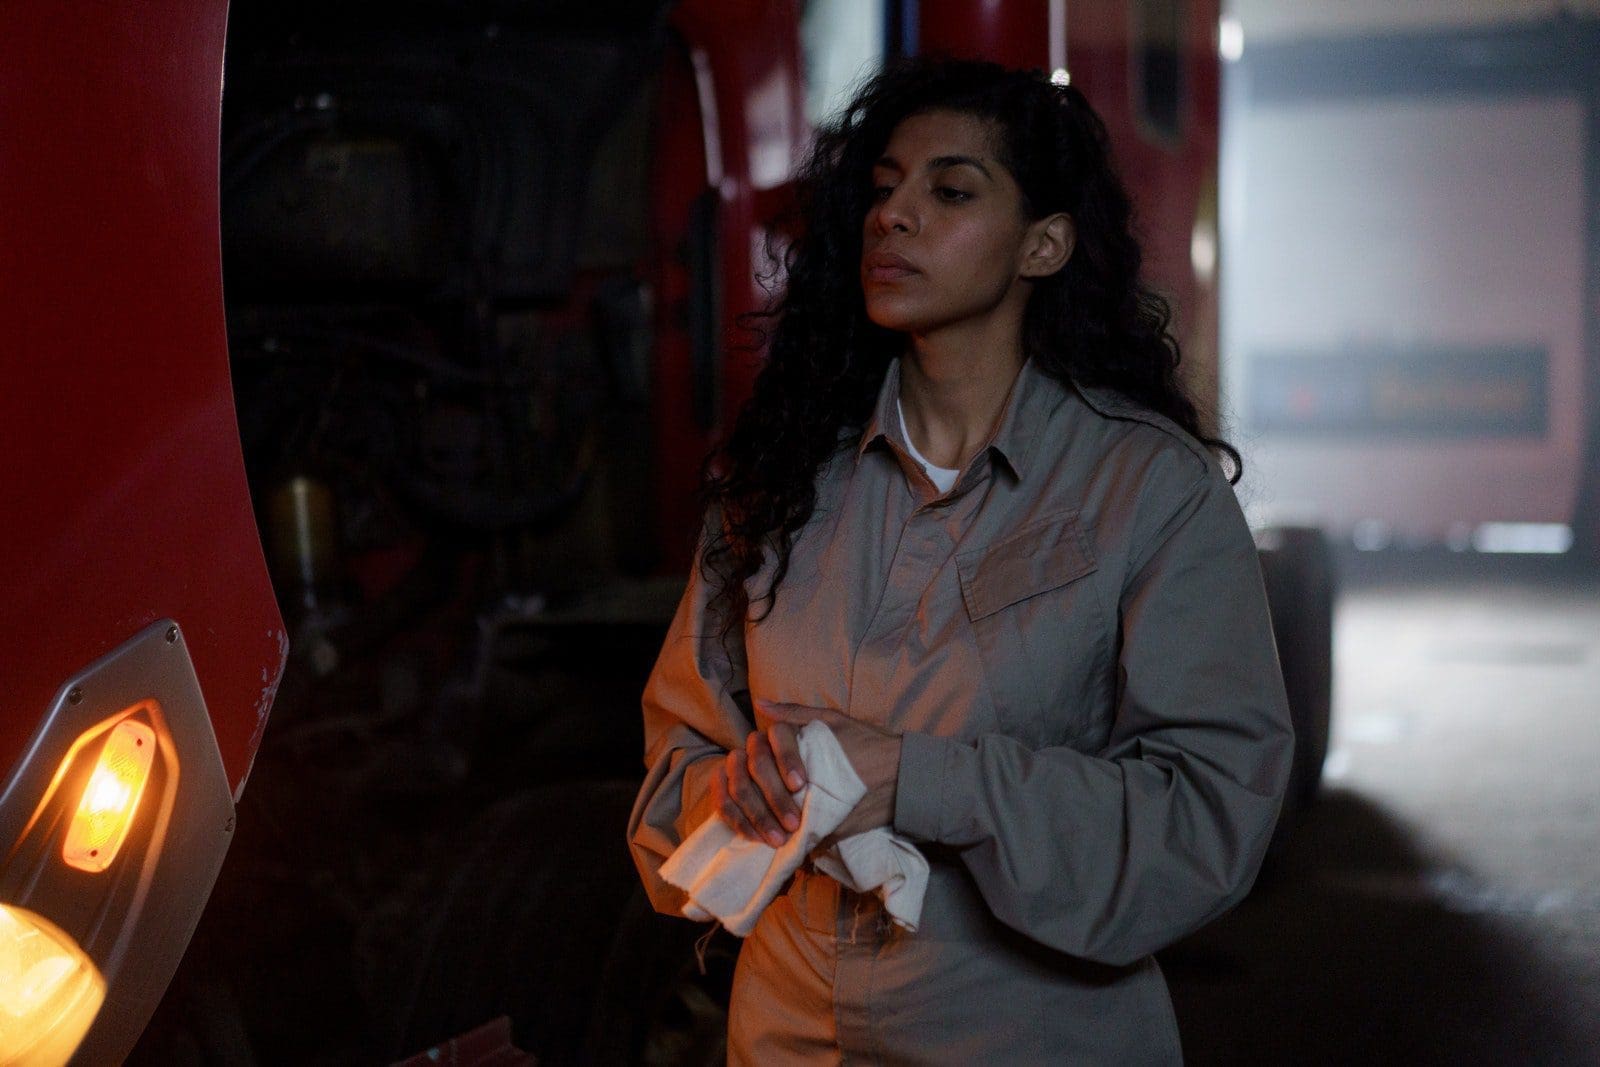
{"type": "Point", "coordinates": [1032, 395]}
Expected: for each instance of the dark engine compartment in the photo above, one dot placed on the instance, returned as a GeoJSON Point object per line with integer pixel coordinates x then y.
{"type": "Point", "coordinates": [437, 261]}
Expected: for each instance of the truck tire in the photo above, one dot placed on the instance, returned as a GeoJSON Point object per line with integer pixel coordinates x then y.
{"type": "Point", "coordinates": [541, 917]}
{"type": "Point", "coordinates": [1297, 568]}
{"type": "Point", "coordinates": [661, 1002]}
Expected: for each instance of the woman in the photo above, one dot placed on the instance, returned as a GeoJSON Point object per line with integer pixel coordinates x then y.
{"type": "Point", "coordinates": [969, 520]}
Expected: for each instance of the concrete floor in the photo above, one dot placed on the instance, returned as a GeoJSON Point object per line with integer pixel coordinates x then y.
{"type": "Point", "coordinates": [1441, 903]}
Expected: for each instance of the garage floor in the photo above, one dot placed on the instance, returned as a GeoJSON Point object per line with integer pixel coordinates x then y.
{"type": "Point", "coordinates": [1441, 903]}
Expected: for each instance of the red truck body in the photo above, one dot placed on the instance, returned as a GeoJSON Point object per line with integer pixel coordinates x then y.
{"type": "Point", "coordinates": [132, 536]}
{"type": "Point", "coordinates": [129, 514]}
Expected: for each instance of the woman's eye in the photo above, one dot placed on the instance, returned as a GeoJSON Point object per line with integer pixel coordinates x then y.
{"type": "Point", "coordinates": [955, 196]}
{"type": "Point", "coordinates": [881, 192]}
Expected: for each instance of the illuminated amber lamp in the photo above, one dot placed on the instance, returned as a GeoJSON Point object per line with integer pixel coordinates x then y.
{"type": "Point", "coordinates": [49, 990]}
{"type": "Point", "coordinates": [111, 797]}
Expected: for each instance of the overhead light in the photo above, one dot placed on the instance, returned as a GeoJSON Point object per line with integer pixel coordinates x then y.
{"type": "Point", "coordinates": [1549, 538]}
{"type": "Point", "coordinates": [1230, 39]}
{"type": "Point", "coordinates": [1203, 249]}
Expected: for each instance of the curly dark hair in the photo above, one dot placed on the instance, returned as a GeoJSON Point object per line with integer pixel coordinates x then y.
{"type": "Point", "coordinates": [1093, 322]}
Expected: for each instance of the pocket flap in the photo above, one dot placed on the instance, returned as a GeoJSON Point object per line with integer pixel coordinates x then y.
{"type": "Point", "coordinates": [1041, 557]}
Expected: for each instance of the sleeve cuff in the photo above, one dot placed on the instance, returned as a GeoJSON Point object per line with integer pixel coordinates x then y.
{"type": "Point", "coordinates": [919, 793]}
{"type": "Point", "coordinates": [696, 804]}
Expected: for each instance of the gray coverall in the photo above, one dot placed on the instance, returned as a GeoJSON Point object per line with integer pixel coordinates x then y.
{"type": "Point", "coordinates": [1073, 643]}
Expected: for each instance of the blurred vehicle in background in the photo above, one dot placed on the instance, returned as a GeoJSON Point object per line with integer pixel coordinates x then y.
{"type": "Point", "coordinates": [1410, 249]}
{"type": "Point", "coordinates": [485, 271]}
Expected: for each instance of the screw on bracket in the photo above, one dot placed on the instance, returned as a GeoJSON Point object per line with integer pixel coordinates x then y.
{"type": "Point", "coordinates": [172, 635]}
{"type": "Point", "coordinates": [75, 695]}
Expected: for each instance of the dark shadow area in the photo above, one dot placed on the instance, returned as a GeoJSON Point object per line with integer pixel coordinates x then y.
{"type": "Point", "coordinates": [394, 884]}
{"type": "Point", "coordinates": [1356, 947]}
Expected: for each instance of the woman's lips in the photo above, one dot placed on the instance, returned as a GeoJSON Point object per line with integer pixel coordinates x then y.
{"type": "Point", "coordinates": [887, 267]}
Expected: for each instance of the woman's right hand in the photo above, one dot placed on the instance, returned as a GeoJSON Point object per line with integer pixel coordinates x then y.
{"type": "Point", "coordinates": [753, 786]}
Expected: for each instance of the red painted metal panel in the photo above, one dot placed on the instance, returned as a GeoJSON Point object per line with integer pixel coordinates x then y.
{"type": "Point", "coordinates": [1017, 35]}
{"type": "Point", "coordinates": [752, 104]}
{"type": "Point", "coordinates": [678, 176]}
{"type": "Point", "coordinates": [124, 485]}
{"type": "Point", "coordinates": [753, 53]}
{"type": "Point", "coordinates": [1173, 181]}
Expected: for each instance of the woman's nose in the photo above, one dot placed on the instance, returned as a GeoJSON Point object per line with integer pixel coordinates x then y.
{"type": "Point", "coordinates": [896, 213]}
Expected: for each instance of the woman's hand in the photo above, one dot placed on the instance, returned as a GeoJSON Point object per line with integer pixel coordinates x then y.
{"type": "Point", "coordinates": [874, 753]}
{"type": "Point", "coordinates": [753, 786]}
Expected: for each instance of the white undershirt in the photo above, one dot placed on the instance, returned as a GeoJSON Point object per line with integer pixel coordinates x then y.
{"type": "Point", "coordinates": [941, 477]}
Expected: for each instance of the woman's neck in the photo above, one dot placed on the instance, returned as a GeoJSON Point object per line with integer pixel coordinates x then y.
{"type": "Point", "coordinates": [952, 400]}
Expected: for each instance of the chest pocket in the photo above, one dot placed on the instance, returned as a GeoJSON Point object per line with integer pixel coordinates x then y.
{"type": "Point", "coordinates": [1040, 630]}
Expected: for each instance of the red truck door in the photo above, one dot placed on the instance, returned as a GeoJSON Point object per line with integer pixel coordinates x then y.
{"type": "Point", "coordinates": [142, 643]}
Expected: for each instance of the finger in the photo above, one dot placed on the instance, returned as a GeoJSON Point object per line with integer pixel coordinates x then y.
{"type": "Point", "coordinates": [729, 808]}
{"type": "Point", "coordinates": [750, 801]}
{"type": "Point", "coordinates": [764, 772]}
{"type": "Point", "coordinates": [784, 741]}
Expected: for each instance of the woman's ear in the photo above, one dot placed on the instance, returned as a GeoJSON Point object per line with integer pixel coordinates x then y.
{"type": "Point", "coordinates": [1049, 245]}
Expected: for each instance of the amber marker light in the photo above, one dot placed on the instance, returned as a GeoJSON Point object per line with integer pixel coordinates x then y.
{"type": "Point", "coordinates": [49, 991]}
{"type": "Point", "coordinates": [111, 797]}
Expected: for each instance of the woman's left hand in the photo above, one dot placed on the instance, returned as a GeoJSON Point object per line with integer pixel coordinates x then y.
{"type": "Point", "coordinates": [874, 753]}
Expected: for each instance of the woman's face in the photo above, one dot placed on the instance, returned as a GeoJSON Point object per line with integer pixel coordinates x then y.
{"type": "Point", "coordinates": [945, 243]}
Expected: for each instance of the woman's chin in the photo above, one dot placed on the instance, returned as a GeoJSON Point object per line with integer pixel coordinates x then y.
{"type": "Point", "coordinates": [899, 319]}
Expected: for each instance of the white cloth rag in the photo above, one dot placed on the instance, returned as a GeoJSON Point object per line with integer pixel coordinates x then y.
{"type": "Point", "coordinates": [731, 878]}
